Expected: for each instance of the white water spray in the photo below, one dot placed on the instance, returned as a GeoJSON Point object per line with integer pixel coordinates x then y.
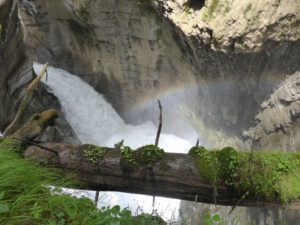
{"type": "Point", "coordinates": [95, 122]}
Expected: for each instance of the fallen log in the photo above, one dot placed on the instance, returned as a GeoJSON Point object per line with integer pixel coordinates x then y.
{"type": "Point", "coordinates": [222, 177]}
{"type": "Point", "coordinates": [173, 175]}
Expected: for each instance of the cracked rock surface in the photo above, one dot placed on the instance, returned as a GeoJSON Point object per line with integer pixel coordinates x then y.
{"type": "Point", "coordinates": [243, 25]}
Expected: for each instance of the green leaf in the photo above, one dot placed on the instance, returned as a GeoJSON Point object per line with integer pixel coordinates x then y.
{"type": "Point", "coordinates": [207, 220]}
{"type": "Point", "coordinates": [4, 208]}
{"type": "Point", "coordinates": [116, 209]}
{"type": "Point", "coordinates": [216, 218]}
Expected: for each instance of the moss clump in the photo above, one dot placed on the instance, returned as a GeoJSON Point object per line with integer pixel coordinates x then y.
{"type": "Point", "coordinates": [206, 162]}
{"type": "Point", "coordinates": [213, 7]}
{"type": "Point", "coordinates": [127, 154]}
{"type": "Point", "coordinates": [149, 154]}
{"type": "Point", "coordinates": [94, 153]}
{"type": "Point", "coordinates": [268, 175]}
{"type": "Point", "coordinates": [142, 158]}
{"type": "Point", "coordinates": [229, 162]}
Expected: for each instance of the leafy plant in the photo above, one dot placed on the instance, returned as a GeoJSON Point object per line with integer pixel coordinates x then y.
{"type": "Point", "coordinates": [271, 175]}
{"type": "Point", "coordinates": [208, 219]}
{"type": "Point", "coordinates": [94, 153]}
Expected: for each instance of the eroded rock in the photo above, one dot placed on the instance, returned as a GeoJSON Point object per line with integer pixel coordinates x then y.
{"type": "Point", "coordinates": [277, 123]}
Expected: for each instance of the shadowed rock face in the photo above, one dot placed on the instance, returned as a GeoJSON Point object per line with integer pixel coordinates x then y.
{"type": "Point", "coordinates": [12, 54]}
{"type": "Point", "coordinates": [16, 74]}
{"type": "Point", "coordinates": [277, 123]}
{"type": "Point", "coordinates": [131, 51]}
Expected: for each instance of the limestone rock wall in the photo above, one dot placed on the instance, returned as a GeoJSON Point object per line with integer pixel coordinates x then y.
{"type": "Point", "coordinates": [277, 123]}
{"type": "Point", "coordinates": [232, 53]}
{"type": "Point", "coordinates": [239, 25]}
{"type": "Point", "coordinates": [122, 48]}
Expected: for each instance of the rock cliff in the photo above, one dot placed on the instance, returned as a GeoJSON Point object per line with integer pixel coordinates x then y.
{"type": "Point", "coordinates": [233, 53]}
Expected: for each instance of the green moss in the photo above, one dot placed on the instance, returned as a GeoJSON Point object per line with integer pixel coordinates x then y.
{"type": "Point", "coordinates": [144, 156]}
{"type": "Point", "coordinates": [229, 162]}
{"type": "Point", "coordinates": [94, 153]}
{"type": "Point", "coordinates": [215, 8]}
{"type": "Point", "coordinates": [148, 154]}
{"type": "Point", "coordinates": [212, 9]}
{"type": "Point", "coordinates": [267, 175]}
{"type": "Point", "coordinates": [206, 162]}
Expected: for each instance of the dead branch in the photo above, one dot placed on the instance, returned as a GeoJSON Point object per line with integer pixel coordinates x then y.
{"type": "Point", "coordinates": [10, 128]}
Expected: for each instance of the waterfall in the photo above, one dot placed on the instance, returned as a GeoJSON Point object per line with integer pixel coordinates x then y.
{"type": "Point", "coordinates": [95, 121]}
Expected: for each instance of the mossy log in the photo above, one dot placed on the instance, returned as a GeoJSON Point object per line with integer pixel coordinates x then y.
{"type": "Point", "coordinates": [224, 177]}
{"type": "Point", "coordinates": [172, 175]}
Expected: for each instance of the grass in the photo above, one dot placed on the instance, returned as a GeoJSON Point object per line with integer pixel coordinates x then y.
{"type": "Point", "coordinates": [26, 199]}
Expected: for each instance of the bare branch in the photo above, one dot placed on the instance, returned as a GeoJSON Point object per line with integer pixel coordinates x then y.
{"type": "Point", "coordinates": [160, 124]}
{"type": "Point", "coordinates": [10, 128]}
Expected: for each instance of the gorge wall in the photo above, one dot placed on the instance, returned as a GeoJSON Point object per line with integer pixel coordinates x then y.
{"type": "Point", "coordinates": [233, 53]}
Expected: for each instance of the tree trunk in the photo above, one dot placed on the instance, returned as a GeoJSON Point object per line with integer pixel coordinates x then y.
{"type": "Point", "coordinates": [175, 176]}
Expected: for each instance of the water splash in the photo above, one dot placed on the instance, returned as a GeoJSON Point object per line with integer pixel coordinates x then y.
{"type": "Point", "coordinates": [96, 122]}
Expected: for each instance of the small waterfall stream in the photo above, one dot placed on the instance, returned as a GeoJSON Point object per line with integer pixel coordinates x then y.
{"type": "Point", "coordinates": [96, 122]}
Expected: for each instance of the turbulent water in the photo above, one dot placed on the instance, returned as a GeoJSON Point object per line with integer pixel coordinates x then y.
{"type": "Point", "coordinates": [96, 122]}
